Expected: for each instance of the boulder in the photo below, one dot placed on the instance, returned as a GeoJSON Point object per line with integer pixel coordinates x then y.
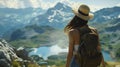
{"type": "Point", "coordinates": [11, 57]}
{"type": "Point", "coordinates": [22, 53]}
{"type": "Point", "coordinates": [4, 63]}
{"type": "Point", "coordinates": [7, 54]}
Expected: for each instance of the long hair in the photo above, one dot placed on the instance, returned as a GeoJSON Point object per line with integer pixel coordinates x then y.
{"type": "Point", "coordinates": [74, 23]}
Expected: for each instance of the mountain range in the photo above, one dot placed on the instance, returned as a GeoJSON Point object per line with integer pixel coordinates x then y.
{"type": "Point", "coordinates": [12, 19]}
{"type": "Point", "coordinates": [32, 27]}
{"type": "Point", "coordinates": [105, 20]}
{"type": "Point", "coordinates": [106, 14]}
{"type": "Point", "coordinates": [60, 15]}
{"type": "Point", "coordinates": [56, 17]}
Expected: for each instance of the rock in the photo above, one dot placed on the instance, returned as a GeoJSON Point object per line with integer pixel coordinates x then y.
{"type": "Point", "coordinates": [7, 54]}
{"type": "Point", "coordinates": [36, 58]}
{"type": "Point", "coordinates": [11, 57]}
{"type": "Point", "coordinates": [39, 60]}
{"type": "Point", "coordinates": [22, 53]}
{"type": "Point", "coordinates": [4, 63]}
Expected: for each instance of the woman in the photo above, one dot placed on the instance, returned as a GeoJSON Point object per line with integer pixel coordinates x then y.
{"type": "Point", "coordinates": [80, 20]}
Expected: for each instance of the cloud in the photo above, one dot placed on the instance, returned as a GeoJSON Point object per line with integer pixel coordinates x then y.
{"type": "Point", "coordinates": [20, 3]}
{"type": "Point", "coordinates": [12, 4]}
{"type": "Point", "coordinates": [45, 4]}
{"type": "Point", "coordinates": [118, 4]}
{"type": "Point", "coordinates": [48, 4]}
{"type": "Point", "coordinates": [95, 8]}
{"type": "Point", "coordinates": [35, 3]}
{"type": "Point", "coordinates": [29, 3]}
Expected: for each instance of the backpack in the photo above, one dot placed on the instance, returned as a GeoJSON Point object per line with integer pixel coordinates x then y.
{"type": "Point", "coordinates": [89, 40]}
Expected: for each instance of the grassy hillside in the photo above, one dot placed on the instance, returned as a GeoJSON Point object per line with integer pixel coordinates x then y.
{"type": "Point", "coordinates": [31, 36]}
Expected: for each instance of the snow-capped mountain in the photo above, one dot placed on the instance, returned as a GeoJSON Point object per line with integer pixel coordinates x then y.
{"type": "Point", "coordinates": [57, 16]}
{"type": "Point", "coordinates": [60, 14]}
{"type": "Point", "coordinates": [106, 14]}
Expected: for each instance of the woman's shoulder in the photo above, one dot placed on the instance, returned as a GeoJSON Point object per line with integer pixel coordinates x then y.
{"type": "Point", "coordinates": [73, 31]}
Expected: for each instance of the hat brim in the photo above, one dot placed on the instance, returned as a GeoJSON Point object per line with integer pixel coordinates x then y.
{"type": "Point", "coordinates": [89, 17]}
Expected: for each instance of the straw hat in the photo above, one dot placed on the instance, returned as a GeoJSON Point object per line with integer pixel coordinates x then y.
{"type": "Point", "coordinates": [83, 12]}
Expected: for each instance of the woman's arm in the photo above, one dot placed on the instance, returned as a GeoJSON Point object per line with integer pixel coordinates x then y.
{"type": "Point", "coordinates": [70, 50]}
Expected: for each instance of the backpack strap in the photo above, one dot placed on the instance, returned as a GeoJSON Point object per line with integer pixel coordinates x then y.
{"type": "Point", "coordinates": [83, 31]}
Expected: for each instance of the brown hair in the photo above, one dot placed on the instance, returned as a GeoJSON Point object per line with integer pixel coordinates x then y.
{"type": "Point", "coordinates": [74, 23]}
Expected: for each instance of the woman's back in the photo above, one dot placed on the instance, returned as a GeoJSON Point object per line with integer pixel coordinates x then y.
{"type": "Point", "coordinates": [76, 29]}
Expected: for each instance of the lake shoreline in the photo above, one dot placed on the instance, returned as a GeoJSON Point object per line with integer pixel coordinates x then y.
{"type": "Point", "coordinates": [112, 55]}
{"type": "Point", "coordinates": [46, 51]}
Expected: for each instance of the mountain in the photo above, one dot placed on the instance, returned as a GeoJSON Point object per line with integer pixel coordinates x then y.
{"type": "Point", "coordinates": [106, 14]}
{"type": "Point", "coordinates": [30, 31]}
{"type": "Point", "coordinates": [60, 14]}
{"type": "Point", "coordinates": [114, 26]}
{"type": "Point", "coordinates": [16, 18]}
{"type": "Point", "coordinates": [57, 17]}
{"type": "Point", "coordinates": [30, 36]}
{"type": "Point", "coordinates": [31, 27]}
{"type": "Point", "coordinates": [20, 11]}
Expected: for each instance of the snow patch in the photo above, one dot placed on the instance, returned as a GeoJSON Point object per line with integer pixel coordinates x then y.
{"type": "Point", "coordinates": [36, 19]}
{"type": "Point", "coordinates": [106, 17]}
{"type": "Point", "coordinates": [50, 18]}
{"type": "Point", "coordinates": [118, 16]}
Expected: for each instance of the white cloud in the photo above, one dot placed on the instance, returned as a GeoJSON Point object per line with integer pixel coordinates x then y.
{"type": "Point", "coordinates": [43, 4]}
{"type": "Point", "coordinates": [12, 3]}
{"type": "Point", "coordinates": [118, 4]}
{"type": "Point", "coordinates": [35, 3]}
{"type": "Point", "coordinates": [95, 8]}
{"type": "Point", "coordinates": [29, 3]}
{"type": "Point", "coordinates": [46, 5]}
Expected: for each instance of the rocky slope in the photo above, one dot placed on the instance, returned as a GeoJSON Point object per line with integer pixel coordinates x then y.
{"type": "Point", "coordinates": [12, 57]}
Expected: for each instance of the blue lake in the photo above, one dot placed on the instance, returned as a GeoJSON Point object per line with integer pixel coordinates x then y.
{"type": "Point", "coordinates": [54, 50]}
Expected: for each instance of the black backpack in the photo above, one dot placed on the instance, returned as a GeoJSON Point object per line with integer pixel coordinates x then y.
{"type": "Point", "coordinates": [89, 40]}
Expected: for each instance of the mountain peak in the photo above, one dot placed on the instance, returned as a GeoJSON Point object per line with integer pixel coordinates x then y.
{"type": "Point", "coordinates": [60, 5]}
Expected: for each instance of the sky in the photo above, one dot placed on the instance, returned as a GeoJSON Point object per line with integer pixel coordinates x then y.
{"type": "Point", "coordinates": [94, 4]}
{"type": "Point", "coordinates": [45, 4]}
